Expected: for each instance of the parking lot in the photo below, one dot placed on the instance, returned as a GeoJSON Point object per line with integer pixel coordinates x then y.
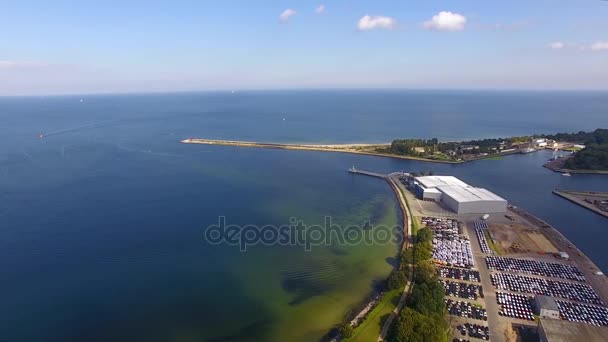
{"type": "Point", "coordinates": [458, 274]}
{"type": "Point", "coordinates": [462, 290]}
{"type": "Point", "coordinates": [539, 286]}
{"type": "Point", "coordinates": [539, 268]}
{"type": "Point", "coordinates": [596, 315]}
{"type": "Point", "coordinates": [449, 246]}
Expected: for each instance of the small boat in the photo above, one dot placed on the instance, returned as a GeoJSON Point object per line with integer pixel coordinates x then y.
{"type": "Point", "coordinates": [566, 174]}
{"type": "Point", "coordinates": [528, 150]}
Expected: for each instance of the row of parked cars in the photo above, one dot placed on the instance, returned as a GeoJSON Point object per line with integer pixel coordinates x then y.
{"type": "Point", "coordinates": [465, 309]}
{"type": "Point", "coordinates": [481, 237]}
{"type": "Point", "coordinates": [458, 274]}
{"type": "Point", "coordinates": [515, 305]}
{"type": "Point", "coordinates": [539, 268]}
{"type": "Point", "coordinates": [475, 330]}
{"type": "Point", "coordinates": [553, 288]}
{"type": "Point", "coordinates": [576, 312]}
{"type": "Point", "coordinates": [462, 290]}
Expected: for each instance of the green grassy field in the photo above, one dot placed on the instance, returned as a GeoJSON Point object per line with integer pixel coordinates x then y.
{"type": "Point", "coordinates": [491, 243]}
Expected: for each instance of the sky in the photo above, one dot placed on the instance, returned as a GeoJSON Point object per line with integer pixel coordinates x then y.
{"type": "Point", "coordinates": [64, 47]}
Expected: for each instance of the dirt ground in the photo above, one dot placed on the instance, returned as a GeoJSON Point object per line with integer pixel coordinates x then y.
{"type": "Point", "coordinates": [516, 238]}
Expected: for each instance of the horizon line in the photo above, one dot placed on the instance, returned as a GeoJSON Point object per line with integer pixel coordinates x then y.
{"type": "Point", "coordinates": [252, 90]}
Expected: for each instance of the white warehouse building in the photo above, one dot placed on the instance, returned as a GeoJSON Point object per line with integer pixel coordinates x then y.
{"type": "Point", "coordinates": [458, 195]}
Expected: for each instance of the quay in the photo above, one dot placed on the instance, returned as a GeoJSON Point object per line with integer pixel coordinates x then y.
{"type": "Point", "coordinates": [582, 198]}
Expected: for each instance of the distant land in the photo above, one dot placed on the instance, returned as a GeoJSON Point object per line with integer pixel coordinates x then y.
{"type": "Point", "coordinates": [591, 149]}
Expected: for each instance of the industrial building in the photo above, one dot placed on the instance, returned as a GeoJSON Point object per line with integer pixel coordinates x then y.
{"type": "Point", "coordinates": [457, 195]}
{"type": "Point", "coordinates": [554, 330]}
{"type": "Point", "coordinates": [546, 307]}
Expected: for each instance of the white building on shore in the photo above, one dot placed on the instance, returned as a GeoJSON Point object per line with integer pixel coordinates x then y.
{"type": "Point", "coordinates": [458, 195]}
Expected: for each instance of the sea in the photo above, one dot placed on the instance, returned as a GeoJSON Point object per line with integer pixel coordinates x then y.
{"type": "Point", "coordinates": [104, 213]}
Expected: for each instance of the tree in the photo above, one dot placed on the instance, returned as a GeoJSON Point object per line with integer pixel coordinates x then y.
{"type": "Point", "coordinates": [345, 330]}
{"type": "Point", "coordinates": [396, 280]}
{"type": "Point", "coordinates": [412, 326]}
{"type": "Point", "coordinates": [424, 235]}
{"type": "Point", "coordinates": [406, 258]}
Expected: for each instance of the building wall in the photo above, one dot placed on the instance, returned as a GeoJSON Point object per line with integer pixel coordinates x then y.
{"type": "Point", "coordinates": [431, 196]}
{"type": "Point", "coordinates": [450, 203]}
{"type": "Point", "coordinates": [418, 190]}
{"type": "Point", "coordinates": [476, 207]}
{"type": "Point", "coordinates": [541, 333]}
{"type": "Point", "coordinates": [549, 313]}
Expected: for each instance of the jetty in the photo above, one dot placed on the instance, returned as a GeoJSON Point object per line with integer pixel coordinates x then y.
{"type": "Point", "coordinates": [364, 149]}
{"type": "Point", "coordinates": [367, 173]}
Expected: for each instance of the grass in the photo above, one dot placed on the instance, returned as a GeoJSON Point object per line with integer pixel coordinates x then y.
{"type": "Point", "coordinates": [416, 223]}
{"type": "Point", "coordinates": [491, 243]}
{"type": "Point", "coordinates": [370, 329]}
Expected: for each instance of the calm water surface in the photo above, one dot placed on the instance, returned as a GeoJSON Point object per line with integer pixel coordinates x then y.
{"type": "Point", "coordinates": [101, 221]}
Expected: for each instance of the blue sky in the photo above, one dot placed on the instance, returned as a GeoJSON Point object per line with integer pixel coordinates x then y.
{"type": "Point", "coordinates": [62, 47]}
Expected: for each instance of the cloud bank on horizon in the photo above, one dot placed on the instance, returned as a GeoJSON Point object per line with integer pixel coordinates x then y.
{"type": "Point", "coordinates": [304, 45]}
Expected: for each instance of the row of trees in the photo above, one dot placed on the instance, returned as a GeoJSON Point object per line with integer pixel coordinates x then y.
{"type": "Point", "coordinates": [599, 137]}
{"type": "Point", "coordinates": [592, 157]}
{"type": "Point", "coordinates": [423, 319]}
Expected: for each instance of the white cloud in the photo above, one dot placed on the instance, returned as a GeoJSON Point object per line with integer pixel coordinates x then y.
{"type": "Point", "coordinates": [557, 45]}
{"type": "Point", "coordinates": [599, 46]}
{"type": "Point", "coordinates": [446, 21]}
{"type": "Point", "coordinates": [288, 13]}
{"type": "Point", "coordinates": [373, 22]}
{"type": "Point", "coordinates": [320, 9]}
{"type": "Point", "coordinates": [4, 64]}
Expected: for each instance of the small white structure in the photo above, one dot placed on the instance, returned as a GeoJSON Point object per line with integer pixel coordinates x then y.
{"type": "Point", "coordinates": [458, 195]}
{"type": "Point", "coordinates": [546, 307]}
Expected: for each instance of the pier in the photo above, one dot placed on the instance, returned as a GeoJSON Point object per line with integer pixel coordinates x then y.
{"type": "Point", "coordinates": [367, 173]}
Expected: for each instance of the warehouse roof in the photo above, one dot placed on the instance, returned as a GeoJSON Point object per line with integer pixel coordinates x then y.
{"type": "Point", "coordinates": [437, 181]}
{"type": "Point", "coordinates": [469, 194]}
{"type": "Point", "coordinates": [456, 189]}
{"type": "Point", "coordinates": [547, 303]}
{"type": "Point", "coordinates": [564, 331]}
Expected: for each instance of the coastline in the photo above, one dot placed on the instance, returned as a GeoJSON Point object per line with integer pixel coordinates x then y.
{"type": "Point", "coordinates": [340, 148]}
{"type": "Point", "coordinates": [558, 166]}
{"type": "Point", "coordinates": [371, 303]}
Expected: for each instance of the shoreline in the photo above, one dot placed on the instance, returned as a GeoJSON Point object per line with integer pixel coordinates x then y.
{"type": "Point", "coordinates": [557, 166]}
{"type": "Point", "coordinates": [340, 148]}
{"type": "Point", "coordinates": [369, 304]}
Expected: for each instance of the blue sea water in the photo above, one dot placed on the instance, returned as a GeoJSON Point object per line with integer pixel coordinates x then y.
{"type": "Point", "coordinates": [101, 220]}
